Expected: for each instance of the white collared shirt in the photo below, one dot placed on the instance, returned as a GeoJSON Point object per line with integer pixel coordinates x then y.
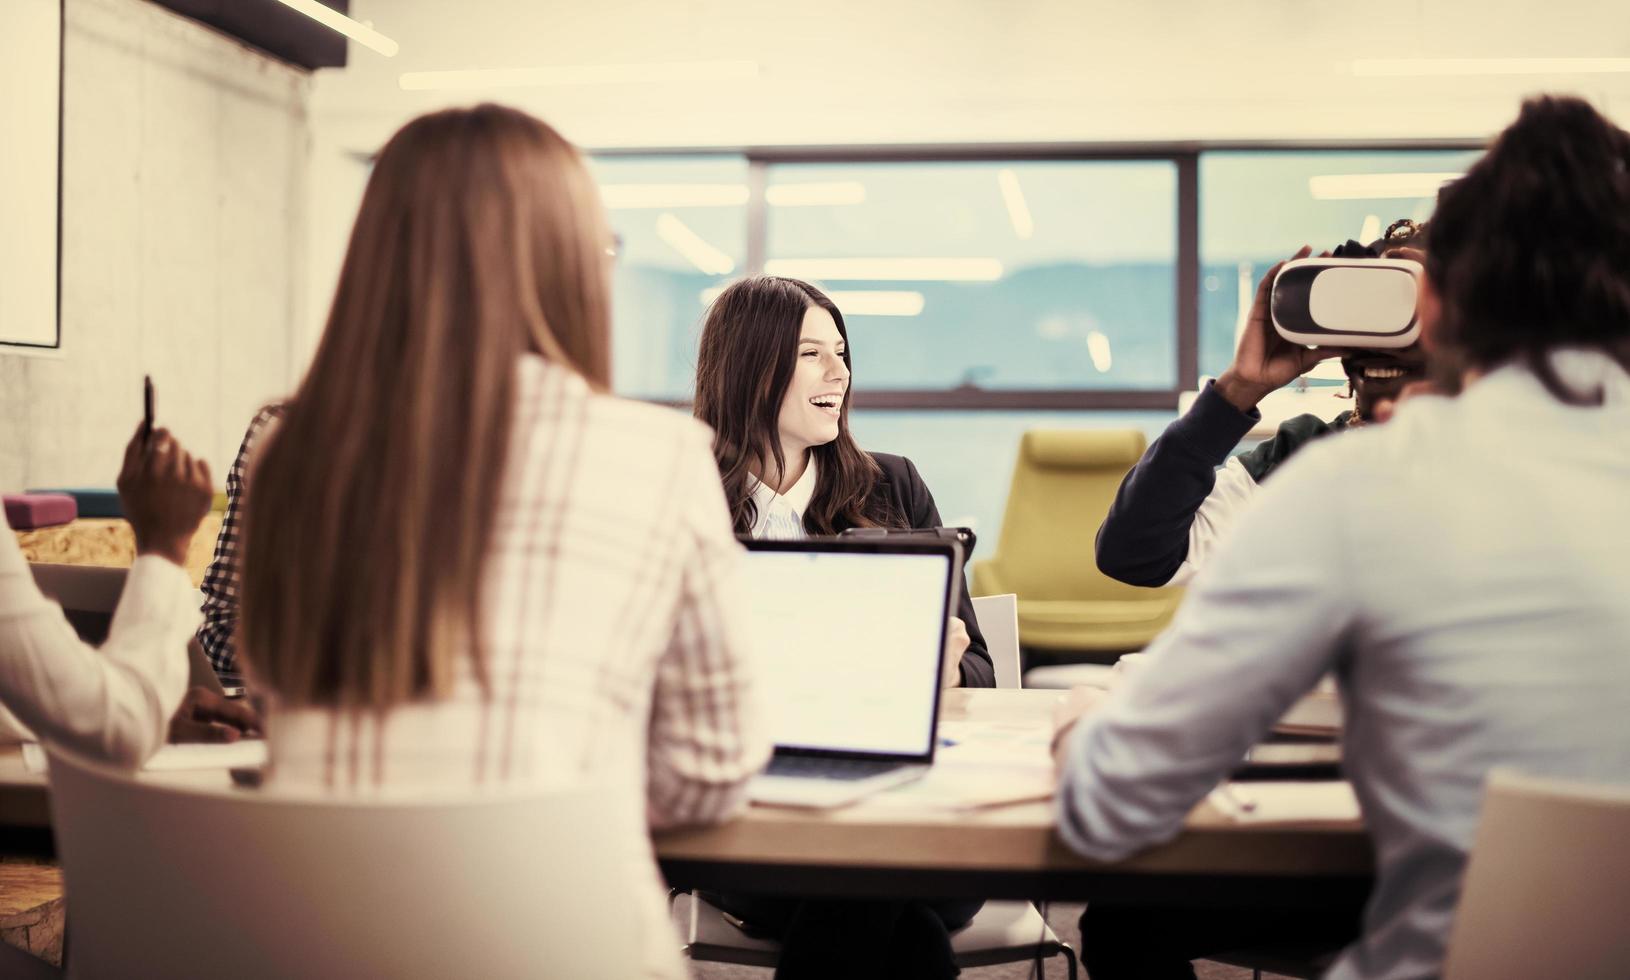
{"type": "Point", "coordinates": [114, 702]}
{"type": "Point", "coordinates": [780, 516]}
{"type": "Point", "coordinates": [1463, 569]}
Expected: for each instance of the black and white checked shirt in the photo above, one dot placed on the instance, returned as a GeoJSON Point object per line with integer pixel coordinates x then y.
{"type": "Point", "coordinates": [220, 587]}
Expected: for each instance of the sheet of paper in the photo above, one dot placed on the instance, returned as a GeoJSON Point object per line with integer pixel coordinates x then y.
{"type": "Point", "coordinates": [964, 787]}
{"type": "Point", "coordinates": [246, 754]}
{"type": "Point", "coordinates": [1012, 743]}
{"type": "Point", "coordinates": [1287, 802]}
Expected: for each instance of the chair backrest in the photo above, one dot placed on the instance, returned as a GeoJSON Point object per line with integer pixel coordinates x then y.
{"type": "Point", "coordinates": [88, 594]}
{"type": "Point", "coordinates": [999, 621]}
{"type": "Point", "coordinates": [173, 881]}
{"type": "Point", "coordinates": [1548, 883]}
{"type": "Point", "coordinates": [1063, 483]}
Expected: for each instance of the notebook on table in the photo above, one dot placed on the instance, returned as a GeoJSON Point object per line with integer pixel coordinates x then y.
{"type": "Point", "coordinates": [850, 635]}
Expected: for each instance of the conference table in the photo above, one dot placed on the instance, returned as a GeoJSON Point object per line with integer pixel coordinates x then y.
{"type": "Point", "coordinates": [883, 847]}
{"type": "Point", "coordinates": [909, 842]}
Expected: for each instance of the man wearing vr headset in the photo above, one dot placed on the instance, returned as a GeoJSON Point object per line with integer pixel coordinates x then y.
{"type": "Point", "coordinates": [1183, 495]}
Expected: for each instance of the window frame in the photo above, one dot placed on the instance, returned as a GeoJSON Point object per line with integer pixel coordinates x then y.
{"type": "Point", "coordinates": [1184, 155]}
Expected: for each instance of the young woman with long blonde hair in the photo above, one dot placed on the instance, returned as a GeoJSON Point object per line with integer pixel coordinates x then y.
{"type": "Point", "coordinates": [466, 566]}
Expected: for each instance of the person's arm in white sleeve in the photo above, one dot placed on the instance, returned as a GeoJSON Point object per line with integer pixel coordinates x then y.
{"type": "Point", "coordinates": [1260, 625]}
{"type": "Point", "coordinates": [114, 703]}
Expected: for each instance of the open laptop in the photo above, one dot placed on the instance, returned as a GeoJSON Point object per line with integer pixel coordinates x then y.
{"type": "Point", "coordinates": [850, 635]}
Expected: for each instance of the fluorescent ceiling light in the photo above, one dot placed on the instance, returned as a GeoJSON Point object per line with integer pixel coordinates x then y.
{"type": "Point", "coordinates": [1371, 229]}
{"type": "Point", "coordinates": [1013, 196]}
{"type": "Point", "coordinates": [878, 302]}
{"type": "Point", "coordinates": [692, 246]}
{"type": "Point", "coordinates": [1098, 350]}
{"type": "Point", "coordinates": [1352, 187]}
{"type": "Point", "coordinates": [1422, 67]}
{"type": "Point", "coordinates": [649, 73]}
{"type": "Point", "coordinates": [356, 30]}
{"type": "Point", "coordinates": [893, 270]}
{"type": "Point", "coordinates": [664, 197]}
{"type": "Point", "coordinates": [816, 194]}
{"type": "Point", "coordinates": [860, 302]}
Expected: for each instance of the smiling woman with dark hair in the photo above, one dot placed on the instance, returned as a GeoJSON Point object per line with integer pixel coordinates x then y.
{"type": "Point", "coordinates": [772, 379]}
{"type": "Point", "coordinates": [1462, 570]}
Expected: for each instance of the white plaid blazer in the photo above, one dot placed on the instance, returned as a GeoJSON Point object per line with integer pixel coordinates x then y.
{"type": "Point", "coordinates": [612, 639]}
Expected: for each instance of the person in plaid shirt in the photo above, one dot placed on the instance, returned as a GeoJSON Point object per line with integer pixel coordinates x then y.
{"type": "Point", "coordinates": [220, 586]}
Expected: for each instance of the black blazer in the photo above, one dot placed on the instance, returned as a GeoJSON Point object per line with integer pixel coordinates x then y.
{"type": "Point", "coordinates": [902, 488]}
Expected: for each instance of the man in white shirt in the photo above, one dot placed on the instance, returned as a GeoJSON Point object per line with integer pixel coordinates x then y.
{"type": "Point", "coordinates": [117, 702]}
{"type": "Point", "coordinates": [1464, 570]}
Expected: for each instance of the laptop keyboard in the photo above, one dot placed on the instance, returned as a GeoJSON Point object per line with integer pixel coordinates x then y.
{"type": "Point", "coordinates": [815, 767]}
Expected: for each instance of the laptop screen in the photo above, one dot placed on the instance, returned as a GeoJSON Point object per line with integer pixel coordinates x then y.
{"type": "Point", "coordinates": [849, 646]}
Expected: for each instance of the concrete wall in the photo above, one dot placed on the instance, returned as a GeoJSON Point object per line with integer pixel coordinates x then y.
{"type": "Point", "coordinates": [184, 204]}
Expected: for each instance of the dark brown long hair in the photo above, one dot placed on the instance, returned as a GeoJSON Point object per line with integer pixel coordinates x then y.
{"type": "Point", "coordinates": [1531, 248]}
{"type": "Point", "coordinates": [480, 238]}
{"type": "Point", "coordinates": [748, 352]}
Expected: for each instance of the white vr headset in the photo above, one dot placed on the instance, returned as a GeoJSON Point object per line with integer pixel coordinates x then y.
{"type": "Point", "coordinates": [1347, 302]}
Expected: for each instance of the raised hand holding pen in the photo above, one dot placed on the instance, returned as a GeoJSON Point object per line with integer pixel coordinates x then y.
{"type": "Point", "coordinates": [165, 493]}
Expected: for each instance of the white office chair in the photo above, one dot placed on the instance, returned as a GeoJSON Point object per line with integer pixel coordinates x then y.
{"type": "Point", "coordinates": [1548, 883]}
{"type": "Point", "coordinates": [1002, 932]}
{"type": "Point", "coordinates": [171, 881]}
{"type": "Point", "coordinates": [999, 621]}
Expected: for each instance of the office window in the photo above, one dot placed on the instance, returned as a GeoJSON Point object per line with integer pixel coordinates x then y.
{"type": "Point", "coordinates": [1258, 207]}
{"type": "Point", "coordinates": [682, 222]}
{"type": "Point", "coordinates": [1019, 276]}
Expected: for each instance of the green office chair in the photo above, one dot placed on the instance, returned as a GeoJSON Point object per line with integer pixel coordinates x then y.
{"type": "Point", "coordinates": [1063, 484]}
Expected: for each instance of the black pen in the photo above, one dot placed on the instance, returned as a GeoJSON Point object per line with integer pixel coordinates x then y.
{"type": "Point", "coordinates": [147, 408]}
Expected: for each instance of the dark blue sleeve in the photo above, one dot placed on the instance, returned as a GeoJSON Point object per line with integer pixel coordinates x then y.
{"type": "Point", "coordinates": [1145, 538]}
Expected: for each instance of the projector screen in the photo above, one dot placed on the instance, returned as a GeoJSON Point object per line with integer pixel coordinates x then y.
{"type": "Point", "coordinates": [30, 172]}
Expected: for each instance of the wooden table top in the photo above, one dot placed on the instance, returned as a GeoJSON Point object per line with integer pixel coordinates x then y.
{"type": "Point", "coordinates": [1017, 840]}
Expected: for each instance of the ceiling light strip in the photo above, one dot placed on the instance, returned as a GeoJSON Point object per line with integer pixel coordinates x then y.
{"type": "Point", "coordinates": [540, 77]}
{"type": "Point", "coordinates": [356, 30]}
{"type": "Point", "coordinates": [1354, 187]}
{"type": "Point", "coordinates": [1466, 67]}
{"type": "Point", "coordinates": [1018, 211]}
{"type": "Point", "coordinates": [666, 197]}
{"type": "Point", "coordinates": [814, 194]}
{"type": "Point", "coordinates": [693, 247]}
{"type": "Point", "coordinates": [858, 302]}
{"type": "Point", "coordinates": [889, 269]}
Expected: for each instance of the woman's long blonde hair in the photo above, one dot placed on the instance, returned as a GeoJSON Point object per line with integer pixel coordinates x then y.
{"type": "Point", "coordinates": [480, 238]}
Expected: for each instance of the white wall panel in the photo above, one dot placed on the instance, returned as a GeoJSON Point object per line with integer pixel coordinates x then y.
{"type": "Point", "coordinates": [184, 159]}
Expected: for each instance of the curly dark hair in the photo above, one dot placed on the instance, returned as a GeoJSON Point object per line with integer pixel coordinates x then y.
{"type": "Point", "coordinates": [1530, 250]}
